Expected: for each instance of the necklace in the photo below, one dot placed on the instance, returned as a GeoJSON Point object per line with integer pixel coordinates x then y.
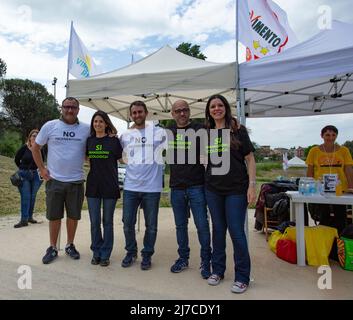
{"type": "Point", "coordinates": [330, 159]}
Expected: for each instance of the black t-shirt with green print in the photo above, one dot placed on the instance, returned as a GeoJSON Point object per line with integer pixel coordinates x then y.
{"type": "Point", "coordinates": [236, 179]}
{"type": "Point", "coordinates": [192, 172]}
{"type": "Point", "coordinates": [103, 154]}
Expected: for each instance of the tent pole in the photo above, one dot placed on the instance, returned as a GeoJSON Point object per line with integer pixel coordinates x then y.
{"type": "Point", "coordinates": [237, 75]}
{"type": "Point", "coordinates": [242, 106]}
{"type": "Point", "coordinates": [239, 93]}
{"type": "Point", "coordinates": [68, 60]}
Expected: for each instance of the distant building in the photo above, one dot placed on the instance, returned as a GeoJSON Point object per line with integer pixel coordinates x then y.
{"type": "Point", "coordinates": [291, 152]}
{"type": "Point", "coordinates": [280, 151]}
{"type": "Point", "coordinates": [265, 151]}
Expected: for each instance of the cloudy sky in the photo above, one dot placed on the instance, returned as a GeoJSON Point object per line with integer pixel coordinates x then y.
{"type": "Point", "coordinates": [34, 37]}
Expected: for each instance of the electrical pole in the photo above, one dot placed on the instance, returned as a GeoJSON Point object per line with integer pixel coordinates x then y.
{"type": "Point", "coordinates": [54, 84]}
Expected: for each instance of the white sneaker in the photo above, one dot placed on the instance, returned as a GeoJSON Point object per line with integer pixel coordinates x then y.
{"type": "Point", "coordinates": [238, 287]}
{"type": "Point", "coordinates": [214, 279]}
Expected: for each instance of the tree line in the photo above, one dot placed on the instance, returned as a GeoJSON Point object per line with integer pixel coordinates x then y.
{"type": "Point", "coordinates": [24, 105]}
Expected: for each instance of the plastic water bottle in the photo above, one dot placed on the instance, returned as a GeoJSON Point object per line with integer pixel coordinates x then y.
{"type": "Point", "coordinates": [319, 187]}
{"type": "Point", "coordinates": [312, 186]}
{"type": "Point", "coordinates": [307, 187]}
{"type": "Point", "coordinates": [301, 186]}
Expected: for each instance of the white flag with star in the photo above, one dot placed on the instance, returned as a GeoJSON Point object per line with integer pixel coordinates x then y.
{"type": "Point", "coordinates": [80, 62]}
{"type": "Point", "coordinates": [264, 28]}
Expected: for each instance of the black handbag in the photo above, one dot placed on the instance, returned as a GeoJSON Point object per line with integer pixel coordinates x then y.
{"type": "Point", "coordinates": [16, 179]}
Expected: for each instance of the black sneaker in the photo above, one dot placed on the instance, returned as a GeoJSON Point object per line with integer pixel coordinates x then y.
{"type": "Point", "coordinates": [128, 260]}
{"type": "Point", "coordinates": [21, 224]}
{"type": "Point", "coordinates": [71, 251]}
{"type": "Point", "coordinates": [146, 263]}
{"type": "Point", "coordinates": [104, 263]}
{"type": "Point", "coordinates": [95, 260]}
{"type": "Point", "coordinates": [50, 255]}
{"type": "Point", "coordinates": [31, 220]}
{"type": "Point", "coordinates": [179, 265]}
{"type": "Point", "coordinates": [205, 270]}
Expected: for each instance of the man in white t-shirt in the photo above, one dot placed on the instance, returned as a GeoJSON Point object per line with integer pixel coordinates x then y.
{"type": "Point", "coordinates": [143, 146]}
{"type": "Point", "coordinates": [66, 139]}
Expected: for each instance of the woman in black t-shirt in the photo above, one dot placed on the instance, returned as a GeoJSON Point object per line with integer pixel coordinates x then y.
{"type": "Point", "coordinates": [30, 180]}
{"type": "Point", "coordinates": [103, 151]}
{"type": "Point", "coordinates": [230, 186]}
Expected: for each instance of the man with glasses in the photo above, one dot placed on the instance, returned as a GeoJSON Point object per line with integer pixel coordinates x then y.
{"type": "Point", "coordinates": [143, 145]}
{"type": "Point", "coordinates": [187, 188]}
{"type": "Point", "coordinates": [66, 139]}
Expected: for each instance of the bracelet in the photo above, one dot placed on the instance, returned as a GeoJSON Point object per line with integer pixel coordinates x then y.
{"type": "Point", "coordinates": [252, 183]}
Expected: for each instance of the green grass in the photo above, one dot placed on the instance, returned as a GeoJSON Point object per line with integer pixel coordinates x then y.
{"type": "Point", "coordinates": [268, 166]}
{"type": "Point", "coordinates": [269, 171]}
{"type": "Point", "coordinates": [10, 197]}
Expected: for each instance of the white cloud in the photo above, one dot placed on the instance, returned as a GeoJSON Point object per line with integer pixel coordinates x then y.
{"type": "Point", "coordinates": [224, 52]}
{"type": "Point", "coordinates": [24, 62]}
{"type": "Point", "coordinates": [117, 24]}
{"type": "Point", "coordinates": [205, 17]}
{"type": "Point", "coordinates": [200, 38]}
{"type": "Point", "coordinates": [303, 15]}
{"type": "Point", "coordinates": [34, 42]}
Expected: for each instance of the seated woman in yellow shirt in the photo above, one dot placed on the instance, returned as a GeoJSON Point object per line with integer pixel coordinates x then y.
{"type": "Point", "coordinates": [331, 158]}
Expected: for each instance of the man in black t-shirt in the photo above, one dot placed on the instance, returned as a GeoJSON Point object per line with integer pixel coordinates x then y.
{"type": "Point", "coordinates": [187, 187]}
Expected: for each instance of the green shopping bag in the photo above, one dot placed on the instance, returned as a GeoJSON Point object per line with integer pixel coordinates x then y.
{"type": "Point", "coordinates": [345, 253]}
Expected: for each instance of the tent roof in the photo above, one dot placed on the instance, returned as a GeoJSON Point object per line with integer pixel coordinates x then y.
{"type": "Point", "coordinates": [311, 78]}
{"type": "Point", "coordinates": [159, 79]}
{"type": "Point", "coordinates": [165, 59]}
{"type": "Point", "coordinates": [296, 162]}
{"type": "Point", "coordinates": [314, 77]}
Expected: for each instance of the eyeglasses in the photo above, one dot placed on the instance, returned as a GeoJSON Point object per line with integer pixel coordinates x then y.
{"type": "Point", "coordinates": [69, 107]}
{"type": "Point", "coordinates": [179, 111]}
{"type": "Point", "coordinates": [33, 135]}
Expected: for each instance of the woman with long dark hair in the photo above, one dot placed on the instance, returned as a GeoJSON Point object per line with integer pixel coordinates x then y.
{"type": "Point", "coordinates": [102, 189]}
{"type": "Point", "coordinates": [30, 180]}
{"type": "Point", "coordinates": [230, 187]}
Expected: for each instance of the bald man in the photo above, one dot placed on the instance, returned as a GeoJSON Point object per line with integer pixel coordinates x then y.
{"type": "Point", "coordinates": [187, 188]}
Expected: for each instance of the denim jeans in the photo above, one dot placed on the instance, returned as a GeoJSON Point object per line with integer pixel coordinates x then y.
{"type": "Point", "coordinates": [182, 200]}
{"type": "Point", "coordinates": [228, 212]}
{"type": "Point", "coordinates": [102, 245]}
{"type": "Point", "coordinates": [28, 191]}
{"type": "Point", "coordinates": [149, 201]}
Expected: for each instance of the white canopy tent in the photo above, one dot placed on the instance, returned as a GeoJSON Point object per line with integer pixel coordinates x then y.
{"type": "Point", "coordinates": [159, 79]}
{"type": "Point", "coordinates": [311, 78]}
{"type": "Point", "coordinates": [296, 163]}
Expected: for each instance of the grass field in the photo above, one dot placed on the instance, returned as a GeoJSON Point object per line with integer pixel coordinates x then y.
{"type": "Point", "coordinates": [10, 197]}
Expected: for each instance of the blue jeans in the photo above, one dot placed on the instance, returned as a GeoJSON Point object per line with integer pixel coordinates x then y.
{"type": "Point", "coordinates": [228, 212]}
{"type": "Point", "coordinates": [101, 246]}
{"type": "Point", "coordinates": [28, 191]}
{"type": "Point", "coordinates": [149, 201]}
{"type": "Point", "coordinates": [194, 197]}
